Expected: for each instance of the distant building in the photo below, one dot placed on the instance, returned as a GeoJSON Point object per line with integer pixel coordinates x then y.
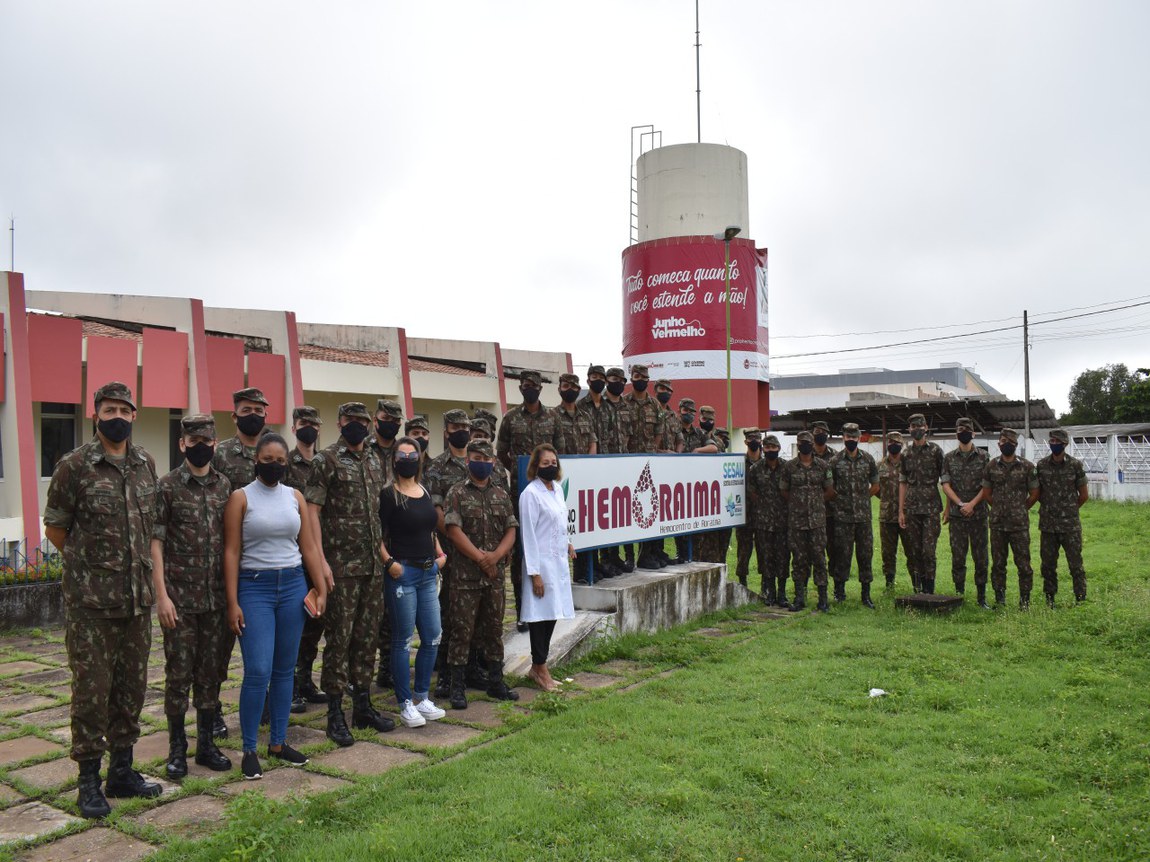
{"type": "Point", "coordinates": [866, 385]}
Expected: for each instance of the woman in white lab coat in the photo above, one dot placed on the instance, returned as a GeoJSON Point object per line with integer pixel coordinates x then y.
{"type": "Point", "coordinates": [546, 554]}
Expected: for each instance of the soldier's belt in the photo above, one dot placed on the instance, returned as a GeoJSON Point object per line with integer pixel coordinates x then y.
{"type": "Point", "coordinates": [419, 564]}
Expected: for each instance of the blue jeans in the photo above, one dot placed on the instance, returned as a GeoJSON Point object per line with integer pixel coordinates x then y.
{"type": "Point", "coordinates": [413, 604]}
{"type": "Point", "coordinates": [272, 602]}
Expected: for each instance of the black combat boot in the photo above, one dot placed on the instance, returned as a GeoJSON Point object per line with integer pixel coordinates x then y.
{"type": "Point", "coordinates": [458, 693]}
{"type": "Point", "coordinates": [823, 604]}
{"type": "Point", "coordinates": [981, 588]}
{"type": "Point", "coordinates": [384, 679]}
{"type": "Point", "coordinates": [628, 558]}
{"type": "Point", "coordinates": [928, 586]}
{"type": "Point", "coordinates": [337, 730]}
{"type": "Point", "coordinates": [219, 729]}
{"type": "Point", "coordinates": [309, 692]}
{"type": "Point", "coordinates": [177, 766]}
{"type": "Point", "coordinates": [890, 582]}
{"type": "Point", "coordinates": [443, 683]}
{"type": "Point", "coordinates": [476, 675]}
{"type": "Point", "coordinates": [1050, 600]}
{"type": "Point", "coordinates": [124, 782]}
{"type": "Point", "coordinates": [365, 716]}
{"type": "Point", "coordinates": [999, 598]}
{"type": "Point", "coordinates": [960, 588]}
{"type": "Point", "coordinates": [800, 601]}
{"type": "Point", "coordinates": [742, 579]}
{"type": "Point", "coordinates": [867, 603]}
{"type": "Point", "coordinates": [496, 687]}
{"type": "Point", "coordinates": [89, 798]}
{"type": "Point", "coordinates": [1024, 602]}
{"type": "Point", "coordinates": [781, 594]}
{"type": "Point", "coordinates": [840, 591]}
{"type": "Point", "coordinates": [768, 595]}
{"type": "Point", "coordinates": [298, 704]}
{"type": "Point", "coordinates": [1080, 597]}
{"type": "Point", "coordinates": [207, 754]}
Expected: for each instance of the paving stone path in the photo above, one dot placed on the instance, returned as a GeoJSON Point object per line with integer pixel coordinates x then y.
{"type": "Point", "coordinates": [38, 816]}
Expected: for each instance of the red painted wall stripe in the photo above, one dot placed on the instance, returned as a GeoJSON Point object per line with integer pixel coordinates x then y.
{"type": "Point", "coordinates": [293, 360]}
{"type": "Point", "coordinates": [109, 359]}
{"type": "Point", "coordinates": [199, 359]}
{"type": "Point", "coordinates": [266, 372]}
{"type": "Point", "coordinates": [499, 377]}
{"type": "Point", "coordinates": [22, 395]}
{"type": "Point", "coordinates": [225, 371]}
{"type": "Point", "coordinates": [55, 354]}
{"type": "Point", "coordinates": [570, 367]}
{"type": "Point", "coordinates": [165, 369]}
{"type": "Point", "coordinates": [3, 362]}
{"type": "Point", "coordinates": [405, 373]}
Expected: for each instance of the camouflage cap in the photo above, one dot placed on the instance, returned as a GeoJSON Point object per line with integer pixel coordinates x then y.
{"type": "Point", "coordinates": [306, 414]}
{"type": "Point", "coordinates": [916, 419]}
{"type": "Point", "coordinates": [199, 424]}
{"type": "Point", "coordinates": [484, 413]}
{"type": "Point", "coordinates": [533, 377]}
{"type": "Point", "coordinates": [722, 432]}
{"type": "Point", "coordinates": [820, 425]}
{"type": "Point", "coordinates": [480, 423]}
{"type": "Point", "coordinates": [250, 394]}
{"type": "Point", "coordinates": [481, 447]}
{"type": "Point", "coordinates": [893, 436]}
{"type": "Point", "coordinates": [686, 403]}
{"type": "Point", "coordinates": [416, 421]}
{"type": "Point", "coordinates": [569, 378]}
{"type": "Point", "coordinates": [772, 440]}
{"type": "Point", "coordinates": [595, 369]}
{"type": "Point", "coordinates": [707, 410]}
{"type": "Point", "coordinates": [354, 410]}
{"type": "Point", "coordinates": [1058, 435]}
{"type": "Point", "coordinates": [114, 391]}
{"type": "Point", "coordinates": [665, 383]}
{"type": "Point", "coordinates": [456, 417]}
{"type": "Point", "coordinates": [392, 408]}
{"type": "Point", "coordinates": [851, 429]}
{"type": "Point", "coordinates": [806, 437]}
{"type": "Point", "coordinates": [615, 371]}
{"type": "Point", "coordinates": [641, 371]}
{"type": "Point", "coordinates": [963, 422]}
{"type": "Point", "coordinates": [752, 434]}
{"type": "Point", "coordinates": [1009, 434]}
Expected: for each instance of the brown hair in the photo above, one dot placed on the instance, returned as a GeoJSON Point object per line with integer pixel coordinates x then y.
{"type": "Point", "coordinates": [533, 464]}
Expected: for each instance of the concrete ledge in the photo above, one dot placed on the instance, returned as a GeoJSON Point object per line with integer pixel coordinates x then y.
{"type": "Point", "coordinates": [32, 605]}
{"type": "Point", "coordinates": [930, 602]}
{"type": "Point", "coordinates": [572, 639]}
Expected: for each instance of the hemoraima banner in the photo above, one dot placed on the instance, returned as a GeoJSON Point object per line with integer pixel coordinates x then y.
{"type": "Point", "coordinates": [675, 308]}
{"type": "Point", "coordinates": [613, 499]}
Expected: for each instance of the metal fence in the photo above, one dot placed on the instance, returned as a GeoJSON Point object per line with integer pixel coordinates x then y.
{"type": "Point", "coordinates": [21, 563]}
{"type": "Point", "coordinates": [1117, 465]}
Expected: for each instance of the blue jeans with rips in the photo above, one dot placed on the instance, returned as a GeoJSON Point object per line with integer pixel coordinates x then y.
{"type": "Point", "coordinates": [413, 603]}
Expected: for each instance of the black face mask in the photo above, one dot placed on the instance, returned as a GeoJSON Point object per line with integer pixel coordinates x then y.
{"type": "Point", "coordinates": [458, 439]}
{"type": "Point", "coordinates": [615, 387]}
{"type": "Point", "coordinates": [965, 436]}
{"type": "Point", "coordinates": [771, 455]}
{"type": "Point", "coordinates": [851, 445]}
{"type": "Point", "coordinates": [821, 439]}
{"type": "Point", "coordinates": [117, 430]}
{"type": "Point", "coordinates": [422, 442]}
{"type": "Point", "coordinates": [707, 424]}
{"type": "Point", "coordinates": [250, 424]}
{"type": "Point", "coordinates": [480, 469]}
{"type": "Point", "coordinates": [639, 385]}
{"type": "Point", "coordinates": [271, 472]}
{"type": "Point", "coordinates": [894, 448]}
{"type": "Point", "coordinates": [354, 433]}
{"type": "Point", "coordinates": [687, 418]}
{"type": "Point", "coordinates": [806, 447]}
{"type": "Point", "coordinates": [754, 445]}
{"type": "Point", "coordinates": [1007, 448]}
{"type": "Point", "coordinates": [664, 397]}
{"type": "Point", "coordinates": [406, 469]}
{"type": "Point", "coordinates": [307, 434]}
{"type": "Point", "coordinates": [597, 386]}
{"type": "Point", "coordinates": [918, 433]}
{"type": "Point", "coordinates": [200, 455]}
{"type": "Point", "coordinates": [388, 429]}
{"type": "Point", "coordinates": [530, 394]}
{"type": "Point", "coordinates": [1057, 448]}
{"type": "Point", "coordinates": [548, 474]}
{"type": "Point", "coordinates": [569, 395]}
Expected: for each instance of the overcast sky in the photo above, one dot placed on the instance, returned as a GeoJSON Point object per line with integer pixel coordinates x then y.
{"type": "Point", "coordinates": [461, 168]}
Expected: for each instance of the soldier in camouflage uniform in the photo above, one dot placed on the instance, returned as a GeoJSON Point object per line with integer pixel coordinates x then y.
{"type": "Point", "coordinates": [1063, 490]}
{"type": "Point", "coordinates": [100, 514]}
{"type": "Point", "coordinates": [889, 469]}
{"type": "Point", "coordinates": [578, 437]}
{"type": "Point", "coordinates": [481, 523]}
{"type": "Point", "coordinates": [710, 546]}
{"type": "Point", "coordinates": [522, 429]}
{"type": "Point", "coordinates": [671, 427]}
{"type": "Point", "coordinates": [305, 426]}
{"type": "Point", "coordinates": [645, 437]}
{"type": "Point", "coordinates": [605, 419]}
{"type": "Point", "coordinates": [695, 441]}
{"type": "Point", "coordinates": [388, 422]}
{"type": "Point", "coordinates": [962, 471]}
{"type": "Point", "coordinates": [821, 434]}
{"type": "Point", "coordinates": [624, 423]}
{"type": "Point", "coordinates": [236, 459]}
{"type": "Point", "coordinates": [188, 579]}
{"type": "Point", "coordinates": [856, 481]}
{"type": "Point", "coordinates": [745, 535]}
{"type": "Point", "coordinates": [919, 505]}
{"type": "Point", "coordinates": [343, 491]}
{"type": "Point", "coordinates": [1010, 485]}
{"type": "Point", "coordinates": [807, 485]}
{"type": "Point", "coordinates": [769, 521]}
{"type": "Point", "coordinates": [418, 430]}
{"type": "Point", "coordinates": [483, 428]}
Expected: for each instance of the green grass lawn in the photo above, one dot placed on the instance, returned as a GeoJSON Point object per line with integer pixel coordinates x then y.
{"type": "Point", "coordinates": [1005, 735]}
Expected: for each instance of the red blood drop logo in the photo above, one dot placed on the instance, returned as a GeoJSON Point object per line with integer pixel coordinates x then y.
{"type": "Point", "coordinates": [645, 484]}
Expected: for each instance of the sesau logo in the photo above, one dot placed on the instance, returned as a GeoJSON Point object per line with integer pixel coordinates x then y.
{"type": "Point", "coordinates": [647, 502]}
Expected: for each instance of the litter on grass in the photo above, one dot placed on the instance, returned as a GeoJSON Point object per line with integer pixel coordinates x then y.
{"type": "Point", "coordinates": [877, 692]}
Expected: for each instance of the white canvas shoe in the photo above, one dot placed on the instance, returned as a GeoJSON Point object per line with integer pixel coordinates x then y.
{"type": "Point", "coordinates": [411, 716]}
{"type": "Point", "coordinates": [429, 710]}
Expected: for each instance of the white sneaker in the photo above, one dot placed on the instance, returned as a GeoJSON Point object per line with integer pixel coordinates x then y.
{"type": "Point", "coordinates": [429, 710]}
{"type": "Point", "coordinates": [411, 716]}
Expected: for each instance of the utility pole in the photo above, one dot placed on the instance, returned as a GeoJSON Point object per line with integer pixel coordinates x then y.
{"type": "Point", "coordinates": [12, 243]}
{"type": "Point", "coordinates": [698, 84]}
{"type": "Point", "coordinates": [1026, 376]}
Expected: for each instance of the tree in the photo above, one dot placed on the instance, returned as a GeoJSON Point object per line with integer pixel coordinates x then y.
{"type": "Point", "coordinates": [1096, 395]}
{"type": "Point", "coordinates": [1135, 404]}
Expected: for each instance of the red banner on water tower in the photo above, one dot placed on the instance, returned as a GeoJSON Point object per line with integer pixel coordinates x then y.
{"type": "Point", "coordinates": [674, 308]}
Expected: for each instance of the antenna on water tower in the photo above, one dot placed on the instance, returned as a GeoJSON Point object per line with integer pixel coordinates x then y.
{"type": "Point", "coordinates": [698, 85]}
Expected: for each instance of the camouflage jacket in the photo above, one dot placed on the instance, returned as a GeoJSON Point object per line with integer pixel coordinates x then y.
{"type": "Point", "coordinates": [445, 471]}
{"type": "Point", "coordinates": [672, 430]}
{"type": "Point", "coordinates": [694, 437]}
{"type": "Point", "coordinates": [1010, 483]}
{"type": "Point", "coordinates": [921, 469]}
{"type": "Point", "coordinates": [521, 431]}
{"type": "Point", "coordinates": [853, 478]}
{"type": "Point", "coordinates": [645, 425]}
{"type": "Point", "coordinates": [484, 515]}
{"type": "Point", "coordinates": [190, 523]}
{"type": "Point", "coordinates": [108, 508]}
{"type": "Point", "coordinates": [806, 508]}
{"type": "Point", "coordinates": [963, 471]}
{"type": "Point", "coordinates": [576, 430]}
{"type": "Point", "coordinates": [768, 509]}
{"type": "Point", "coordinates": [346, 486]}
{"type": "Point", "coordinates": [299, 471]}
{"type": "Point", "coordinates": [624, 421]}
{"type": "Point", "coordinates": [888, 473]}
{"type": "Point", "coordinates": [1058, 503]}
{"type": "Point", "coordinates": [386, 458]}
{"type": "Point", "coordinates": [236, 461]}
{"type": "Point", "coordinates": [605, 418]}
{"type": "Point", "coordinates": [827, 453]}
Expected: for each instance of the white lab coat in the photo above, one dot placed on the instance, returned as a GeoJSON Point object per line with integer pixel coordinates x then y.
{"type": "Point", "coordinates": [543, 525]}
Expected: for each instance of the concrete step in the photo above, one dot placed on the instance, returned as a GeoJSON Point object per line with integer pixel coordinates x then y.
{"type": "Point", "coordinates": [572, 638]}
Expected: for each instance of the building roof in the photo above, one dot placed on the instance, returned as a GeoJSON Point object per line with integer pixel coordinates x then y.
{"type": "Point", "coordinates": [941, 415]}
{"type": "Point", "coordinates": [948, 375]}
{"type": "Point", "coordinates": [1121, 430]}
{"type": "Point", "coordinates": [373, 358]}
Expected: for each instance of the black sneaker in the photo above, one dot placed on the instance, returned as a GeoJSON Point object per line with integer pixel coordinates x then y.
{"type": "Point", "coordinates": [287, 755]}
{"type": "Point", "coordinates": [251, 767]}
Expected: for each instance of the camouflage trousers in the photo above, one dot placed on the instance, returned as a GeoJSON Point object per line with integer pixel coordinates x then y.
{"type": "Point", "coordinates": [808, 553]}
{"type": "Point", "coordinates": [830, 534]}
{"type": "Point", "coordinates": [476, 619]}
{"type": "Point", "coordinates": [352, 629]}
{"type": "Point", "coordinates": [745, 541]}
{"type": "Point", "coordinates": [1069, 541]}
{"type": "Point", "coordinates": [774, 554]}
{"type": "Point", "coordinates": [889, 533]}
{"type": "Point", "coordinates": [713, 546]}
{"type": "Point", "coordinates": [192, 662]}
{"type": "Point", "coordinates": [922, 533]}
{"type": "Point", "coordinates": [109, 664]}
{"type": "Point", "coordinates": [308, 647]}
{"type": "Point", "coordinates": [1003, 543]}
{"type": "Point", "coordinates": [853, 540]}
{"type": "Point", "coordinates": [968, 533]}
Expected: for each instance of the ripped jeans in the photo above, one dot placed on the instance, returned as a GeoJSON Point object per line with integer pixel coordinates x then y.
{"type": "Point", "coordinates": [413, 603]}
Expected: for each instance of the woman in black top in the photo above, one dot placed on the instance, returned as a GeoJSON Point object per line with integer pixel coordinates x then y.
{"type": "Point", "coordinates": [411, 560]}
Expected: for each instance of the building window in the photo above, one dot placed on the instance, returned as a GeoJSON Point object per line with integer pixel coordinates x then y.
{"type": "Point", "coordinates": [57, 434]}
{"type": "Point", "coordinates": [175, 457]}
